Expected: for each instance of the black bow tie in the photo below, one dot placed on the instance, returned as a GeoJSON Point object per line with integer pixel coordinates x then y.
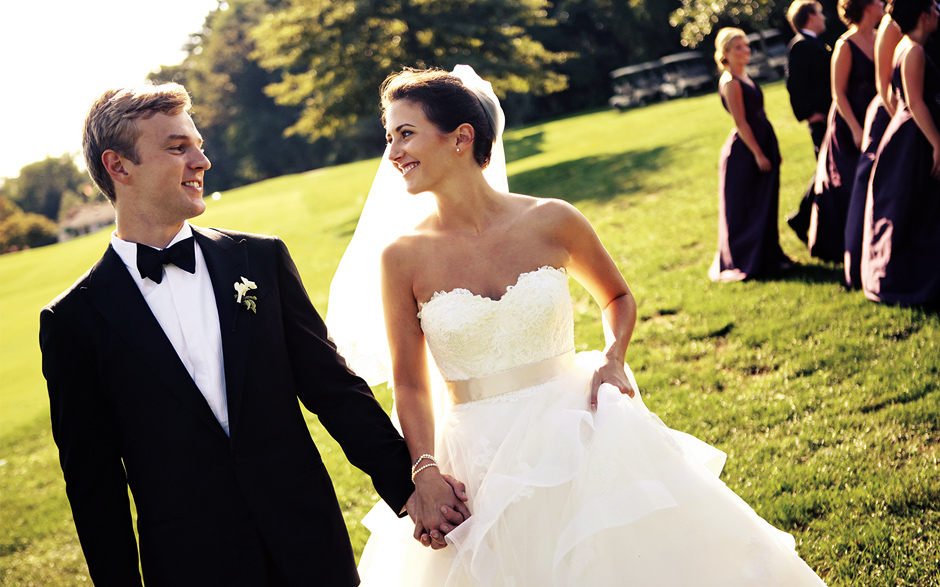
{"type": "Point", "coordinates": [150, 261]}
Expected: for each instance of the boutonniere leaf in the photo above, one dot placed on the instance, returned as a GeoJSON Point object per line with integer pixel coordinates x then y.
{"type": "Point", "coordinates": [242, 297]}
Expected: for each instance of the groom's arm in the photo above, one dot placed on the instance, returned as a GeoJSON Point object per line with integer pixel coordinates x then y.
{"type": "Point", "coordinates": [341, 399]}
{"type": "Point", "coordinates": [95, 480]}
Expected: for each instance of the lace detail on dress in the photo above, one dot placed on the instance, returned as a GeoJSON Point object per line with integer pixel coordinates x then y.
{"type": "Point", "coordinates": [473, 336]}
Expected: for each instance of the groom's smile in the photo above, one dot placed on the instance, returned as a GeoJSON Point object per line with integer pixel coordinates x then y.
{"type": "Point", "coordinates": [167, 179]}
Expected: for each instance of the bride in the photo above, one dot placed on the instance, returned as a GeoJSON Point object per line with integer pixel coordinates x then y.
{"type": "Point", "coordinates": [570, 479]}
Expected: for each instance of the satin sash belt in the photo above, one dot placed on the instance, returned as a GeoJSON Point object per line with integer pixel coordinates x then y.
{"type": "Point", "coordinates": [471, 390]}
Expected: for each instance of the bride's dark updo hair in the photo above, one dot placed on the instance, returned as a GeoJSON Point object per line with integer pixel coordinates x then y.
{"type": "Point", "coordinates": [446, 102]}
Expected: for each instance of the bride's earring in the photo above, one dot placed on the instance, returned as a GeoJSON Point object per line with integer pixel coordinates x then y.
{"type": "Point", "coordinates": [458, 149]}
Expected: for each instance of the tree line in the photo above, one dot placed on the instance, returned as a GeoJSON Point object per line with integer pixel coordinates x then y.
{"type": "Point", "coordinates": [33, 203]}
{"type": "Point", "coordinates": [284, 86]}
{"type": "Point", "coordinates": [281, 86]}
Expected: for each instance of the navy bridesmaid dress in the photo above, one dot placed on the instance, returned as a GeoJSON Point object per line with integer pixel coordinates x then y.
{"type": "Point", "coordinates": [876, 122]}
{"type": "Point", "coordinates": [900, 260]}
{"type": "Point", "coordinates": [748, 237]}
{"type": "Point", "coordinates": [838, 162]}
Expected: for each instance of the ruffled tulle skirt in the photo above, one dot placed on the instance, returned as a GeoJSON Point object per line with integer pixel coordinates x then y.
{"type": "Point", "coordinates": [561, 496]}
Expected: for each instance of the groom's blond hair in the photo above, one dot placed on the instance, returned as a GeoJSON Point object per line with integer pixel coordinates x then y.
{"type": "Point", "coordinates": [111, 123]}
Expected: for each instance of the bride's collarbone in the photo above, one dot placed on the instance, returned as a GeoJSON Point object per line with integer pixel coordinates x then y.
{"type": "Point", "coordinates": [486, 266]}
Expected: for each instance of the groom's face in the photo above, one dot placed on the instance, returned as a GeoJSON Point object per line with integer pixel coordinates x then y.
{"type": "Point", "coordinates": [168, 181]}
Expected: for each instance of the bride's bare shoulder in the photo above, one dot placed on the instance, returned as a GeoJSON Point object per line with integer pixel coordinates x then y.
{"type": "Point", "coordinates": [548, 211]}
{"type": "Point", "coordinates": [543, 207]}
{"type": "Point", "coordinates": [402, 248]}
{"type": "Point", "coordinates": [409, 251]}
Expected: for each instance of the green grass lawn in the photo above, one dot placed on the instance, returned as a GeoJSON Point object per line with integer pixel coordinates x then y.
{"type": "Point", "coordinates": [828, 405]}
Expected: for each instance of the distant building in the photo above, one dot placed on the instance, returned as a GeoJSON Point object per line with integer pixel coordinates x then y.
{"type": "Point", "coordinates": [86, 219]}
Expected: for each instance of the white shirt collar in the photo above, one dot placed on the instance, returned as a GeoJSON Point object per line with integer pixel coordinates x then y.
{"type": "Point", "coordinates": [127, 250]}
{"type": "Point", "coordinates": [808, 33]}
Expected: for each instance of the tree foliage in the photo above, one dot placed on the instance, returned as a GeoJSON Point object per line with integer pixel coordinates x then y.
{"type": "Point", "coordinates": [8, 208]}
{"type": "Point", "coordinates": [315, 100]}
{"type": "Point", "coordinates": [243, 128]}
{"type": "Point", "coordinates": [334, 54]}
{"type": "Point", "coordinates": [40, 186]}
{"type": "Point", "coordinates": [697, 18]}
{"type": "Point", "coordinates": [26, 230]}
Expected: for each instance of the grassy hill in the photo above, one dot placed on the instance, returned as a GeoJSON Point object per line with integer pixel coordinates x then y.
{"type": "Point", "coordinates": [827, 404]}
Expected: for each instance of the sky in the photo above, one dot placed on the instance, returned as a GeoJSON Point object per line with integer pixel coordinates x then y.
{"type": "Point", "coordinates": [57, 56]}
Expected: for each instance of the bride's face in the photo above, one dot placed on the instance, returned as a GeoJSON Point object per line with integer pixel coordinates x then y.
{"type": "Point", "coordinates": [419, 150]}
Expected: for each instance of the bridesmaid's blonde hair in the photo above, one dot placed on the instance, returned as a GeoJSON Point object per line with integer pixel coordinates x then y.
{"type": "Point", "coordinates": [723, 41]}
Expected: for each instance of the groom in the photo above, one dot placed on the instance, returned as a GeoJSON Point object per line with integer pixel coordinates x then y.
{"type": "Point", "coordinates": [174, 368]}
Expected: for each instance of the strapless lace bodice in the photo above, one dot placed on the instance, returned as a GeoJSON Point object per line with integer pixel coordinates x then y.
{"type": "Point", "coordinates": [473, 336]}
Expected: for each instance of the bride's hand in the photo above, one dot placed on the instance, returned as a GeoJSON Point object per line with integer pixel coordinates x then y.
{"type": "Point", "coordinates": [611, 372]}
{"type": "Point", "coordinates": [436, 507]}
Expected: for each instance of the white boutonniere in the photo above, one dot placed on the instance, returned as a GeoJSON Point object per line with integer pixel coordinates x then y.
{"type": "Point", "coordinates": [242, 296]}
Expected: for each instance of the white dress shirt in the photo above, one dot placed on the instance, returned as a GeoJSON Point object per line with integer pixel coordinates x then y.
{"type": "Point", "coordinates": [184, 305]}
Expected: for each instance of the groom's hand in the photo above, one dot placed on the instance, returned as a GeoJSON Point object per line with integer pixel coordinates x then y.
{"type": "Point", "coordinates": [431, 528]}
{"type": "Point", "coordinates": [454, 517]}
{"type": "Point", "coordinates": [460, 490]}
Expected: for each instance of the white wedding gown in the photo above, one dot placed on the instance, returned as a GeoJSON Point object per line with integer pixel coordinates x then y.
{"type": "Point", "coordinates": [561, 496]}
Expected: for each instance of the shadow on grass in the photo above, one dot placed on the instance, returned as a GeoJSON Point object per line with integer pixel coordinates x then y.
{"type": "Point", "coordinates": [599, 178]}
{"type": "Point", "coordinates": [808, 274]}
{"type": "Point", "coordinates": [345, 229]}
{"type": "Point", "coordinates": [523, 147]}
{"type": "Point", "coordinates": [708, 333]}
{"type": "Point", "coordinates": [929, 310]}
{"type": "Point", "coordinates": [905, 397]}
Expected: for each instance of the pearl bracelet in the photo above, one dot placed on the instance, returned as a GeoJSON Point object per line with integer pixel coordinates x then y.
{"type": "Point", "coordinates": [421, 468]}
{"type": "Point", "coordinates": [414, 465]}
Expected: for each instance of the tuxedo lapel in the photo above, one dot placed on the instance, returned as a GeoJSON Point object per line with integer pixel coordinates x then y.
{"type": "Point", "coordinates": [113, 292]}
{"type": "Point", "coordinates": [817, 43]}
{"type": "Point", "coordinates": [227, 260]}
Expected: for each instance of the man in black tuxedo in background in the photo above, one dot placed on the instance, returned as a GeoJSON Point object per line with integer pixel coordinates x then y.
{"type": "Point", "coordinates": [174, 367]}
{"type": "Point", "coordinates": [808, 83]}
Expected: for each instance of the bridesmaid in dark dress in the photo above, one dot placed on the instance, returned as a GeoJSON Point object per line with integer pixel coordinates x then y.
{"type": "Point", "coordinates": [748, 174]}
{"type": "Point", "coordinates": [900, 260]}
{"type": "Point", "coordinates": [877, 117]}
{"type": "Point", "coordinates": [853, 87]}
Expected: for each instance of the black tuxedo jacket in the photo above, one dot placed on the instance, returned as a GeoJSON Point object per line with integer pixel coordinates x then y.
{"type": "Point", "coordinates": [808, 76]}
{"type": "Point", "coordinates": [212, 510]}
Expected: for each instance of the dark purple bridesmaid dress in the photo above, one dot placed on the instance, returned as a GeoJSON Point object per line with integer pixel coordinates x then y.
{"type": "Point", "coordinates": [876, 121]}
{"type": "Point", "coordinates": [901, 247]}
{"type": "Point", "coordinates": [837, 163]}
{"type": "Point", "coordinates": [748, 237]}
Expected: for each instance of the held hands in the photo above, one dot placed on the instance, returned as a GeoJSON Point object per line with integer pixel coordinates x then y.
{"type": "Point", "coordinates": [611, 372]}
{"type": "Point", "coordinates": [436, 507]}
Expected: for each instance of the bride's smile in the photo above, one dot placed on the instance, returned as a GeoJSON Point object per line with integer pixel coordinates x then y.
{"type": "Point", "coordinates": [419, 150]}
